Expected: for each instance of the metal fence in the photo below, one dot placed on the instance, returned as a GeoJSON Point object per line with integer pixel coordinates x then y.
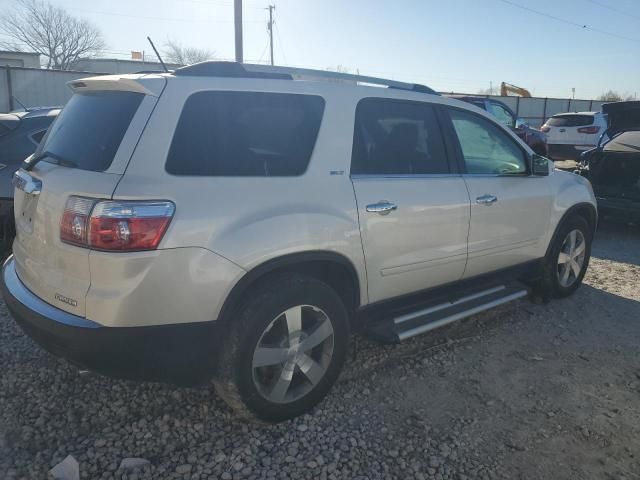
{"type": "Point", "coordinates": [536, 110]}
{"type": "Point", "coordinates": [34, 87]}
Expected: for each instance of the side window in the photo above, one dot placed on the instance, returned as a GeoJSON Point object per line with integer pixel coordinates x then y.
{"type": "Point", "coordinates": [396, 137]}
{"type": "Point", "coordinates": [504, 116]}
{"type": "Point", "coordinates": [246, 134]}
{"type": "Point", "coordinates": [486, 148]}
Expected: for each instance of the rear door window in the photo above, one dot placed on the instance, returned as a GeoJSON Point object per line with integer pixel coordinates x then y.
{"type": "Point", "coordinates": [570, 121]}
{"type": "Point", "coordinates": [90, 128]}
{"type": "Point", "coordinates": [245, 134]}
{"type": "Point", "coordinates": [394, 137]}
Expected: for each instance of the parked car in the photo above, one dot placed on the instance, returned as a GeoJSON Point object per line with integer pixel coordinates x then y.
{"type": "Point", "coordinates": [613, 167]}
{"type": "Point", "coordinates": [571, 134]}
{"type": "Point", "coordinates": [20, 134]}
{"type": "Point", "coordinates": [229, 221]}
{"type": "Point", "coordinates": [532, 137]}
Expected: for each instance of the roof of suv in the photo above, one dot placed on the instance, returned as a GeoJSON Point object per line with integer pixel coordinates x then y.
{"type": "Point", "coordinates": [247, 70]}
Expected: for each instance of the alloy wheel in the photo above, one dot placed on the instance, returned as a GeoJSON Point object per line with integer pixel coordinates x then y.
{"type": "Point", "coordinates": [293, 354]}
{"type": "Point", "coordinates": [571, 258]}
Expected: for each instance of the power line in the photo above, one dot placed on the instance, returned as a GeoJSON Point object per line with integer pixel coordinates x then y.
{"type": "Point", "coordinates": [604, 5]}
{"type": "Point", "coordinates": [569, 22]}
{"type": "Point", "coordinates": [281, 44]}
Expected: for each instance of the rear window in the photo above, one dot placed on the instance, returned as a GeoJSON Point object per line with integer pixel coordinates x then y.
{"type": "Point", "coordinates": [88, 131]}
{"type": "Point", "coordinates": [245, 134]}
{"type": "Point", "coordinates": [570, 121]}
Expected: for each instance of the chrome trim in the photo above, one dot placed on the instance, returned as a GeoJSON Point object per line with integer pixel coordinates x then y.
{"type": "Point", "coordinates": [23, 295]}
{"type": "Point", "coordinates": [25, 182]}
{"type": "Point", "coordinates": [442, 306]}
{"type": "Point", "coordinates": [486, 200]}
{"type": "Point", "coordinates": [383, 207]}
{"type": "Point", "coordinates": [369, 176]}
{"type": "Point", "coordinates": [461, 315]}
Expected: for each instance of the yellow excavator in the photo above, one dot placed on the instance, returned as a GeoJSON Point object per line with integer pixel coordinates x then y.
{"type": "Point", "coordinates": [506, 89]}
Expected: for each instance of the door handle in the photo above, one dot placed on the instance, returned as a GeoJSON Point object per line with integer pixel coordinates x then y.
{"type": "Point", "coordinates": [382, 207]}
{"type": "Point", "coordinates": [486, 200]}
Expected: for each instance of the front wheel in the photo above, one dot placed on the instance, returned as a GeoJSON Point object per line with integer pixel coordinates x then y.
{"type": "Point", "coordinates": [568, 259]}
{"type": "Point", "coordinates": [285, 348]}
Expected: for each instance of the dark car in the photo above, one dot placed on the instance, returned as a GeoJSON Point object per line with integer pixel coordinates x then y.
{"type": "Point", "coordinates": [20, 134]}
{"type": "Point", "coordinates": [613, 167]}
{"type": "Point", "coordinates": [532, 137]}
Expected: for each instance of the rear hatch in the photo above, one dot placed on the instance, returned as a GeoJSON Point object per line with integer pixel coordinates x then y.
{"type": "Point", "coordinates": [85, 153]}
{"type": "Point", "coordinates": [571, 129]}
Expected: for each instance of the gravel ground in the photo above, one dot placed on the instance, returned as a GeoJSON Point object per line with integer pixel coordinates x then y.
{"type": "Point", "coordinates": [527, 391]}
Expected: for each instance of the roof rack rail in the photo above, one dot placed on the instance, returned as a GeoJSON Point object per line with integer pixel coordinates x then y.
{"type": "Point", "coordinates": [248, 70]}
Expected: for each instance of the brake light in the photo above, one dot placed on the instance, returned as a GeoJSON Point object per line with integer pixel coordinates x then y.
{"type": "Point", "coordinates": [545, 129]}
{"type": "Point", "coordinates": [122, 226]}
{"type": "Point", "coordinates": [591, 130]}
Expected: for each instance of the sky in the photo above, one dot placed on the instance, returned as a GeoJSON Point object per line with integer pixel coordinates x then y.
{"type": "Point", "coordinates": [452, 45]}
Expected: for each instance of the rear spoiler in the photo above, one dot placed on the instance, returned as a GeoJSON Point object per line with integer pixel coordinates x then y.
{"type": "Point", "coordinates": [146, 84]}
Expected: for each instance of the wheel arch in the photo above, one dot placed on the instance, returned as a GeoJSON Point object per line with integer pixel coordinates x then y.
{"type": "Point", "coordinates": [333, 268]}
{"type": "Point", "coordinates": [585, 210]}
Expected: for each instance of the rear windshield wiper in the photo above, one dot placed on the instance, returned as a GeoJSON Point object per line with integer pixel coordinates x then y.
{"type": "Point", "coordinates": [42, 155]}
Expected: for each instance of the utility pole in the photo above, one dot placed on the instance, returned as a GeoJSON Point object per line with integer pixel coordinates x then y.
{"type": "Point", "coordinates": [237, 10]}
{"type": "Point", "coordinates": [270, 28]}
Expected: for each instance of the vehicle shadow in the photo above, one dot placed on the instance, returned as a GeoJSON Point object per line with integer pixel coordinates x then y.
{"type": "Point", "coordinates": [617, 242]}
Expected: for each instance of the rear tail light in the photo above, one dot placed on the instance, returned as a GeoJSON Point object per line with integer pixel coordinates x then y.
{"type": "Point", "coordinates": [545, 129]}
{"type": "Point", "coordinates": [591, 130]}
{"type": "Point", "coordinates": [121, 226]}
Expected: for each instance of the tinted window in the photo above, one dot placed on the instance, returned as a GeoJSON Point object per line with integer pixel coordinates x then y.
{"type": "Point", "coordinates": [88, 131]}
{"type": "Point", "coordinates": [245, 134]}
{"type": "Point", "coordinates": [486, 148]}
{"type": "Point", "coordinates": [502, 114]}
{"type": "Point", "coordinates": [395, 137]}
{"type": "Point", "coordinates": [570, 120]}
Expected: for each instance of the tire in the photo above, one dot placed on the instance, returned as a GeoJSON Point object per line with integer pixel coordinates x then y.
{"type": "Point", "coordinates": [281, 318]}
{"type": "Point", "coordinates": [555, 282]}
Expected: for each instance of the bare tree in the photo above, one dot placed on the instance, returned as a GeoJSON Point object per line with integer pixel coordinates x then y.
{"type": "Point", "coordinates": [613, 96]}
{"type": "Point", "coordinates": [40, 27]}
{"type": "Point", "coordinates": [180, 55]}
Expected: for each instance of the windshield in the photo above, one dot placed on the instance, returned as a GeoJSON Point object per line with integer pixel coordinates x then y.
{"type": "Point", "coordinates": [88, 131]}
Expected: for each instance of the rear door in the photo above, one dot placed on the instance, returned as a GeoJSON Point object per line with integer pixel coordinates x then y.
{"type": "Point", "coordinates": [84, 153]}
{"type": "Point", "coordinates": [412, 206]}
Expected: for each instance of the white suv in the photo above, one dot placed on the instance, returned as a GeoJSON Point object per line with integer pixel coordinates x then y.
{"type": "Point", "coordinates": [570, 134]}
{"type": "Point", "coordinates": [235, 222]}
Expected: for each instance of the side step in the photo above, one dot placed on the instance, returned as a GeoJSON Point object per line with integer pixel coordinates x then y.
{"type": "Point", "coordinates": [400, 327]}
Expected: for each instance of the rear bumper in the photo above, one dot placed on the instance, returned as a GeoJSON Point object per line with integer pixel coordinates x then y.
{"type": "Point", "coordinates": [182, 354]}
{"type": "Point", "coordinates": [567, 152]}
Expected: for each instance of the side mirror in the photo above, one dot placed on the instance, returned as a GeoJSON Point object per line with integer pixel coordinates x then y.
{"type": "Point", "coordinates": [521, 123]}
{"type": "Point", "coordinates": [539, 165]}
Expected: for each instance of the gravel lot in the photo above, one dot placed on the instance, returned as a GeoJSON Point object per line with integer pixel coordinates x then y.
{"type": "Point", "coordinates": [528, 391]}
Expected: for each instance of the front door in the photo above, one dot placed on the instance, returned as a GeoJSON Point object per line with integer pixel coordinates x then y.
{"type": "Point", "coordinates": [413, 211]}
{"type": "Point", "coordinates": [510, 208]}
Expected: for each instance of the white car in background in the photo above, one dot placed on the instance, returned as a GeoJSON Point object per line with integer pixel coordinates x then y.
{"type": "Point", "coordinates": [570, 134]}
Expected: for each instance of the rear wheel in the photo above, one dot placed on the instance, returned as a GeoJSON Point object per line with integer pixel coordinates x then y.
{"type": "Point", "coordinates": [568, 259]}
{"type": "Point", "coordinates": [285, 349]}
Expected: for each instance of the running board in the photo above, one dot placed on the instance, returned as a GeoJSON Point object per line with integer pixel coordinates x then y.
{"type": "Point", "coordinates": [401, 327]}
